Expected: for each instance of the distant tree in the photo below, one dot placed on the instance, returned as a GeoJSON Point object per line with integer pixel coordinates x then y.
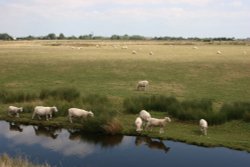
{"type": "Point", "coordinates": [115, 37]}
{"type": "Point", "coordinates": [5, 36]}
{"type": "Point", "coordinates": [61, 36]}
{"type": "Point", "coordinates": [50, 36]}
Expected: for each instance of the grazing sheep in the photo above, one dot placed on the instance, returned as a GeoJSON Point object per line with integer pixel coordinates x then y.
{"type": "Point", "coordinates": [158, 123]}
{"type": "Point", "coordinates": [195, 47]}
{"type": "Point", "coordinates": [144, 115]}
{"type": "Point", "coordinates": [133, 52]}
{"type": "Point", "coordinates": [141, 85]}
{"type": "Point", "coordinates": [218, 52]}
{"type": "Point", "coordinates": [151, 53]}
{"type": "Point", "coordinates": [203, 126]}
{"type": "Point", "coordinates": [41, 111]}
{"type": "Point", "coordinates": [138, 124]}
{"type": "Point", "coordinates": [12, 110]}
{"type": "Point", "coordinates": [125, 47]}
{"type": "Point", "coordinates": [76, 112]}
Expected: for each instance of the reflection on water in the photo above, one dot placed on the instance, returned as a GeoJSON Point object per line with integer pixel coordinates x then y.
{"type": "Point", "coordinates": [102, 140]}
{"type": "Point", "coordinates": [46, 131]}
{"type": "Point", "coordinates": [151, 143]}
{"type": "Point", "coordinates": [15, 127]}
{"type": "Point", "coordinates": [61, 147]}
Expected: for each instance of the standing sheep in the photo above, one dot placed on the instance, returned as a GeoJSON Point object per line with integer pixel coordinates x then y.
{"type": "Point", "coordinates": [141, 85]}
{"type": "Point", "coordinates": [12, 110]}
{"type": "Point", "coordinates": [158, 123]}
{"type": "Point", "coordinates": [138, 124]}
{"type": "Point", "coordinates": [44, 111]}
{"type": "Point", "coordinates": [203, 126]}
{"type": "Point", "coordinates": [144, 115]}
{"type": "Point", "coordinates": [76, 112]}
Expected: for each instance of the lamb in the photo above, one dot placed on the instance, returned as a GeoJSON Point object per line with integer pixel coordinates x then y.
{"type": "Point", "coordinates": [76, 112]}
{"type": "Point", "coordinates": [41, 111]}
{"type": "Point", "coordinates": [138, 124]}
{"type": "Point", "coordinates": [12, 110]}
{"type": "Point", "coordinates": [203, 126]}
{"type": "Point", "coordinates": [141, 85]}
{"type": "Point", "coordinates": [158, 123]}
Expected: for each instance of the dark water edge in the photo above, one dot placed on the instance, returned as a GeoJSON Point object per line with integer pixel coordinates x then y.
{"type": "Point", "coordinates": [61, 147]}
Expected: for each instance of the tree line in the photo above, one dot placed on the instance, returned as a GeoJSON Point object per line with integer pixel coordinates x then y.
{"type": "Point", "coordinates": [61, 36]}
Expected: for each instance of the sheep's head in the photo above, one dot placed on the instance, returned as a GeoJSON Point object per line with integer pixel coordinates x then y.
{"type": "Point", "coordinates": [54, 109]}
{"type": "Point", "coordinates": [91, 114]}
{"type": "Point", "coordinates": [167, 119]}
{"type": "Point", "coordinates": [21, 109]}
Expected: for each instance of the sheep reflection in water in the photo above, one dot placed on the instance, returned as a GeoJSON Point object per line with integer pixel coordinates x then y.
{"type": "Point", "coordinates": [152, 144]}
{"type": "Point", "coordinates": [46, 131]}
{"type": "Point", "coordinates": [15, 127]}
{"type": "Point", "coordinates": [105, 141]}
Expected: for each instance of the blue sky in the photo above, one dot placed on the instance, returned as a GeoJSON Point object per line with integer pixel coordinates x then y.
{"type": "Point", "coordinates": [186, 18]}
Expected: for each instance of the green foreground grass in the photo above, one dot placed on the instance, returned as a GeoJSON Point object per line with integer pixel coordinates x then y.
{"type": "Point", "coordinates": [173, 70]}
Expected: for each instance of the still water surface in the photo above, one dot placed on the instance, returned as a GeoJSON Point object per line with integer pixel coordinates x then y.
{"type": "Point", "coordinates": [70, 148]}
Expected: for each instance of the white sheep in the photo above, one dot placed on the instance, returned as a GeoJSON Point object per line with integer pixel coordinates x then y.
{"type": "Point", "coordinates": [76, 112]}
{"type": "Point", "coordinates": [138, 124]}
{"type": "Point", "coordinates": [133, 52]}
{"type": "Point", "coordinates": [144, 115]}
{"type": "Point", "coordinates": [154, 122]}
{"type": "Point", "coordinates": [125, 47]}
{"type": "Point", "coordinates": [195, 47]}
{"type": "Point", "coordinates": [218, 52]}
{"type": "Point", "coordinates": [203, 126]}
{"type": "Point", "coordinates": [141, 85]}
{"type": "Point", "coordinates": [12, 110]}
{"type": "Point", "coordinates": [44, 111]}
{"type": "Point", "coordinates": [151, 53]}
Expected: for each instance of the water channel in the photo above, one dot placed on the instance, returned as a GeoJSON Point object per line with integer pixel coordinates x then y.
{"type": "Point", "coordinates": [71, 148]}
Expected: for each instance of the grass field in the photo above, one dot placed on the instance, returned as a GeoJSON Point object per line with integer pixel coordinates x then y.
{"type": "Point", "coordinates": [175, 69]}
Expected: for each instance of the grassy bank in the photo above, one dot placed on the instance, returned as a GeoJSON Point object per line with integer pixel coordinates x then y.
{"type": "Point", "coordinates": [103, 79]}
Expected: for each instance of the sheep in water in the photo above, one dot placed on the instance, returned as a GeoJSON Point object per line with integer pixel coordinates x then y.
{"type": "Point", "coordinates": [41, 111]}
{"type": "Point", "coordinates": [158, 123]}
{"type": "Point", "coordinates": [76, 112]}
{"type": "Point", "coordinates": [141, 85]}
{"type": "Point", "coordinates": [138, 124]}
{"type": "Point", "coordinates": [203, 126]}
{"type": "Point", "coordinates": [12, 110]}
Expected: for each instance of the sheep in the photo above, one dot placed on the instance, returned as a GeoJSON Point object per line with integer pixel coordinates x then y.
{"type": "Point", "coordinates": [125, 47]}
{"type": "Point", "coordinates": [144, 115]}
{"type": "Point", "coordinates": [133, 52]}
{"type": "Point", "coordinates": [41, 111]}
{"type": "Point", "coordinates": [195, 47]}
{"type": "Point", "coordinates": [218, 52]}
{"type": "Point", "coordinates": [141, 85]}
{"type": "Point", "coordinates": [76, 112]}
{"type": "Point", "coordinates": [138, 124]}
{"type": "Point", "coordinates": [203, 126]}
{"type": "Point", "coordinates": [158, 123]}
{"type": "Point", "coordinates": [12, 110]}
{"type": "Point", "coordinates": [151, 53]}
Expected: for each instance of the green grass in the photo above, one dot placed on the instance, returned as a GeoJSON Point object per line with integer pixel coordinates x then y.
{"type": "Point", "coordinates": [30, 67]}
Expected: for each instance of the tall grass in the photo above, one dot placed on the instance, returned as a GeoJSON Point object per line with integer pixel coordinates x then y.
{"type": "Point", "coordinates": [7, 96]}
{"type": "Point", "coordinates": [189, 110]}
{"type": "Point", "coordinates": [6, 161]}
{"type": "Point", "coordinates": [63, 93]}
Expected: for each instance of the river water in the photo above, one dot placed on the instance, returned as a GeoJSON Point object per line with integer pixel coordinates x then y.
{"type": "Point", "coordinates": [71, 148]}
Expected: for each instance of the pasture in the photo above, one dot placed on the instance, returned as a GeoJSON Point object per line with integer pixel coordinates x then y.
{"type": "Point", "coordinates": [102, 67]}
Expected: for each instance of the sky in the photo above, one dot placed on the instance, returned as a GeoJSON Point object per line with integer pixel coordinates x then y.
{"type": "Point", "coordinates": [175, 18]}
